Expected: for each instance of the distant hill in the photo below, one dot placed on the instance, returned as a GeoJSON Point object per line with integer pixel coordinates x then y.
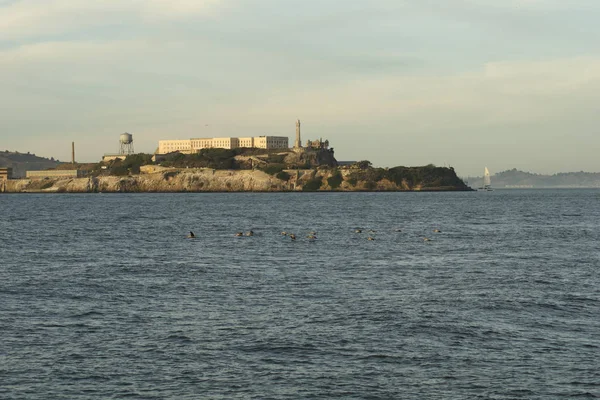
{"type": "Point", "coordinates": [22, 162]}
{"type": "Point", "coordinates": [519, 179]}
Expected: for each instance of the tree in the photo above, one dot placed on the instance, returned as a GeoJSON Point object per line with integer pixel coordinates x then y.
{"type": "Point", "coordinates": [364, 164]}
{"type": "Point", "coordinates": [133, 162]}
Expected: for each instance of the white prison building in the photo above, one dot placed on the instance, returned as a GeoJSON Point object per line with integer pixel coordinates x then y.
{"type": "Point", "coordinates": [190, 146]}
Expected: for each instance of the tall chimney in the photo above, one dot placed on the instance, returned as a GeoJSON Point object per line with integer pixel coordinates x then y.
{"type": "Point", "coordinates": [73, 152]}
{"type": "Point", "coordinates": [298, 142]}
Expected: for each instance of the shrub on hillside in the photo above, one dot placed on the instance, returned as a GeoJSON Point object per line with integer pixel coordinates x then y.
{"type": "Point", "coordinates": [205, 158]}
{"type": "Point", "coordinates": [370, 185]}
{"type": "Point", "coordinates": [133, 162]}
{"type": "Point", "coordinates": [273, 169]}
{"type": "Point", "coordinates": [284, 176]}
{"type": "Point", "coordinates": [336, 180]}
{"type": "Point", "coordinates": [119, 170]}
{"type": "Point", "coordinates": [312, 185]}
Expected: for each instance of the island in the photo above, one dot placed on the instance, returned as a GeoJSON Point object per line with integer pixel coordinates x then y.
{"type": "Point", "coordinates": [234, 170]}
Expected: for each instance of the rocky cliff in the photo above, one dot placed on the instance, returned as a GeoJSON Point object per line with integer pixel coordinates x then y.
{"type": "Point", "coordinates": [159, 179]}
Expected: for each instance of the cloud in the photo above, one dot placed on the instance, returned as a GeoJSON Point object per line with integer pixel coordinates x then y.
{"type": "Point", "coordinates": [176, 8]}
{"type": "Point", "coordinates": [257, 87]}
{"type": "Point", "coordinates": [499, 91]}
{"type": "Point", "coordinates": [411, 75]}
{"type": "Point", "coordinates": [30, 18]}
{"type": "Point", "coordinates": [522, 5]}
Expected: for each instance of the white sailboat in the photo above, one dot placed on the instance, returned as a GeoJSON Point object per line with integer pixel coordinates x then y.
{"type": "Point", "coordinates": [487, 183]}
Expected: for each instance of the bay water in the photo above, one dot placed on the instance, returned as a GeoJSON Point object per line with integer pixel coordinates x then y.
{"type": "Point", "coordinates": [102, 295]}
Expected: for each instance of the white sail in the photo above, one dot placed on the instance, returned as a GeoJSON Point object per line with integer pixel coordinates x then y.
{"type": "Point", "coordinates": [486, 178]}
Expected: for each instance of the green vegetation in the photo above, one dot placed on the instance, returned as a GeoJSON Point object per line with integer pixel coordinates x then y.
{"type": "Point", "coordinates": [272, 161]}
{"type": "Point", "coordinates": [129, 166]}
{"type": "Point", "coordinates": [427, 176]}
{"type": "Point", "coordinates": [360, 176]}
{"type": "Point", "coordinates": [365, 164]}
{"type": "Point", "coordinates": [312, 185]}
{"type": "Point", "coordinates": [370, 185]}
{"type": "Point", "coordinates": [284, 176]}
{"type": "Point", "coordinates": [135, 161]}
{"type": "Point", "coordinates": [47, 184]}
{"type": "Point", "coordinates": [273, 169]}
{"type": "Point", "coordinates": [206, 158]}
{"type": "Point", "coordinates": [408, 178]}
{"type": "Point", "coordinates": [336, 180]}
{"type": "Point", "coordinates": [216, 158]}
{"type": "Point", "coordinates": [119, 170]}
{"type": "Point", "coordinates": [225, 159]}
{"type": "Point", "coordinates": [369, 176]}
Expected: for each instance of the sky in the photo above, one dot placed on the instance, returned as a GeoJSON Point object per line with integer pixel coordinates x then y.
{"type": "Point", "coordinates": [462, 83]}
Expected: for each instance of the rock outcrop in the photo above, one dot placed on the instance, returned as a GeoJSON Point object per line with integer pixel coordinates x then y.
{"type": "Point", "coordinates": [311, 158]}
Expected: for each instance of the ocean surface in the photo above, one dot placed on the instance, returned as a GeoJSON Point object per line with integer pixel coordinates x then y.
{"type": "Point", "coordinates": [102, 296]}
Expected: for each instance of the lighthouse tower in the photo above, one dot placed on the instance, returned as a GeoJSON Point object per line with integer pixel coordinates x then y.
{"type": "Point", "coordinates": [298, 142]}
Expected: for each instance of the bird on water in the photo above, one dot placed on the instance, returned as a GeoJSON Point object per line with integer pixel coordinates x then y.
{"type": "Point", "coordinates": [191, 235]}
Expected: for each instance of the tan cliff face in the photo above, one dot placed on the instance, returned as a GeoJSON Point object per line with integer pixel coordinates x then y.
{"type": "Point", "coordinates": [175, 180]}
{"type": "Point", "coordinates": [160, 179]}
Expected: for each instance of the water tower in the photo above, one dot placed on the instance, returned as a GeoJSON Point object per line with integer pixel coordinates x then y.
{"type": "Point", "coordinates": [126, 144]}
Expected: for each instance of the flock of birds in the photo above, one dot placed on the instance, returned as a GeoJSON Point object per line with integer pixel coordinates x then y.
{"type": "Point", "coordinates": [312, 236]}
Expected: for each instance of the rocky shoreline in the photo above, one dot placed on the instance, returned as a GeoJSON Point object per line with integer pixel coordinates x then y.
{"type": "Point", "coordinates": [155, 179]}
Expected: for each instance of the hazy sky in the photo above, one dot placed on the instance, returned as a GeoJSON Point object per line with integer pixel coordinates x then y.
{"type": "Point", "coordinates": [466, 83]}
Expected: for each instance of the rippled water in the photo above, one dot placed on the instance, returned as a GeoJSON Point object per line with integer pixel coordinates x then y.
{"type": "Point", "coordinates": [102, 296]}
